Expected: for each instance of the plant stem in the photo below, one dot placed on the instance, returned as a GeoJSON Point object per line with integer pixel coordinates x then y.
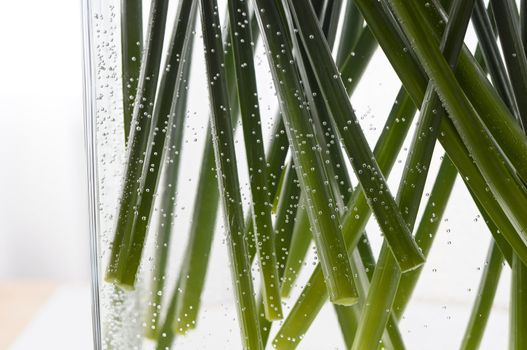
{"type": "Point", "coordinates": [484, 299]}
{"type": "Point", "coordinates": [518, 314]}
{"type": "Point", "coordinates": [502, 179]}
{"type": "Point", "coordinates": [387, 275]}
{"type": "Point", "coordinates": [478, 188]}
{"type": "Point", "coordinates": [355, 64]}
{"type": "Point", "coordinates": [508, 25]}
{"type": "Point", "coordinates": [241, 39]}
{"type": "Point", "coordinates": [329, 22]}
{"type": "Point", "coordinates": [203, 223]}
{"type": "Point", "coordinates": [492, 56]}
{"type": "Point", "coordinates": [311, 300]}
{"type": "Point", "coordinates": [427, 230]}
{"type": "Point", "coordinates": [168, 188]}
{"type": "Point", "coordinates": [297, 251]}
{"type": "Point", "coordinates": [138, 141]}
{"type": "Point", "coordinates": [226, 169]}
{"type": "Point", "coordinates": [352, 29]}
{"type": "Point", "coordinates": [284, 225]}
{"type": "Point", "coordinates": [482, 95]}
{"type": "Point", "coordinates": [166, 334]}
{"type": "Point", "coordinates": [170, 80]}
{"type": "Point", "coordinates": [131, 51]}
{"type": "Point", "coordinates": [366, 168]}
{"type": "Point", "coordinates": [306, 149]}
{"type": "Point", "coordinates": [468, 75]}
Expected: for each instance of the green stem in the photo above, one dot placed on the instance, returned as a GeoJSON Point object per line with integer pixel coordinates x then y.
{"type": "Point", "coordinates": [131, 51]}
{"type": "Point", "coordinates": [204, 218]}
{"type": "Point", "coordinates": [228, 183]}
{"type": "Point", "coordinates": [297, 251]}
{"type": "Point", "coordinates": [166, 334]}
{"type": "Point", "coordinates": [508, 25]}
{"type": "Point", "coordinates": [312, 299]}
{"type": "Point", "coordinates": [479, 189]}
{"type": "Point", "coordinates": [170, 80]}
{"type": "Point", "coordinates": [167, 202]}
{"type": "Point", "coordinates": [496, 170]}
{"type": "Point", "coordinates": [484, 299]}
{"type": "Point", "coordinates": [482, 95]}
{"type": "Point", "coordinates": [309, 163]}
{"type": "Point", "coordinates": [523, 22]}
{"type": "Point", "coordinates": [366, 168]}
{"type": "Point", "coordinates": [355, 64]}
{"type": "Point", "coordinates": [518, 307]}
{"type": "Point", "coordinates": [352, 28]}
{"type": "Point", "coordinates": [194, 268]}
{"type": "Point", "coordinates": [284, 224]}
{"type": "Point", "coordinates": [492, 55]}
{"type": "Point", "coordinates": [387, 275]}
{"type": "Point", "coordinates": [285, 216]}
{"type": "Point", "coordinates": [469, 76]}
{"type": "Point", "coordinates": [241, 39]}
{"type": "Point", "coordinates": [138, 141]}
{"type": "Point", "coordinates": [427, 230]}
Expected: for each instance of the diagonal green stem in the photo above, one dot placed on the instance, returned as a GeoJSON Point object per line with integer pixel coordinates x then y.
{"type": "Point", "coordinates": [484, 299]}
{"type": "Point", "coordinates": [241, 39]}
{"type": "Point", "coordinates": [138, 141]}
{"type": "Point", "coordinates": [167, 202]}
{"type": "Point", "coordinates": [306, 149]}
{"type": "Point", "coordinates": [508, 25]}
{"type": "Point", "coordinates": [170, 80]}
{"type": "Point", "coordinates": [502, 179]}
{"type": "Point", "coordinates": [355, 64]}
{"type": "Point", "coordinates": [492, 55]}
{"type": "Point", "coordinates": [366, 168]}
{"type": "Point", "coordinates": [226, 169]}
{"type": "Point", "coordinates": [203, 221]}
{"type": "Point", "coordinates": [352, 26]}
{"type": "Point", "coordinates": [426, 230]}
{"type": "Point", "coordinates": [468, 75]}
{"type": "Point", "coordinates": [387, 275]}
{"type": "Point", "coordinates": [518, 306]}
{"type": "Point", "coordinates": [284, 224]}
{"type": "Point", "coordinates": [131, 51]}
{"type": "Point", "coordinates": [482, 95]}
{"type": "Point", "coordinates": [311, 300]}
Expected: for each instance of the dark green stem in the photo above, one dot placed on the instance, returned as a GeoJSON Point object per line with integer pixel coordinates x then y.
{"type": "Point", "coordinates": [170, 81]}
{"type": "Point", "coordinates": [131, 52]}
{"type": "Point", "coordinates": [306, 149]}
{"type": "Point", "coordinates": [226, 170]}
{"type": "Point", "coordinates": [366, 168]}
{"type": "Point", "coordinates": [484, 299]}
{"type": "Point", "coordinates": [138, 142]}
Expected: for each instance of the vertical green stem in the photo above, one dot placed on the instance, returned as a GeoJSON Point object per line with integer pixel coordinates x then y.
{"type": "Point", "coordinates": [305, 145]}
{"type": "Point", "coordinates": [364, 164]}
{"type": "Point", "coordinates": [170, 80]}
{"type": "Point", "coordinates": [138, 141]}
{"type": "Point", "coordinates": [311, 300]}
{"type": "Point", "coordinates": [518, 306]}
{"type": "Point", "coordinates": [167, 202]}
{"type": "Point", "coordinates": [131, 51]}
{"type": "Point", "coordinates": [261, 204]}
{"type": "Point", "coordinates": [508, 25]}
{"type": "Point", "coordinates": [484, 299]}
{"type": "Point", "coordinates": [351, 30]}
{"type": "Point", "coordinates": [226, 170]}
{"type": "Point", "coordinates": [427, 229]}
{"type": "Point", "coordinates": [492, 55]}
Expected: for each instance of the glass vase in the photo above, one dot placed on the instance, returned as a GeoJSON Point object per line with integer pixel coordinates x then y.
{"type": "Point", "coordinates": [181, 155]}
